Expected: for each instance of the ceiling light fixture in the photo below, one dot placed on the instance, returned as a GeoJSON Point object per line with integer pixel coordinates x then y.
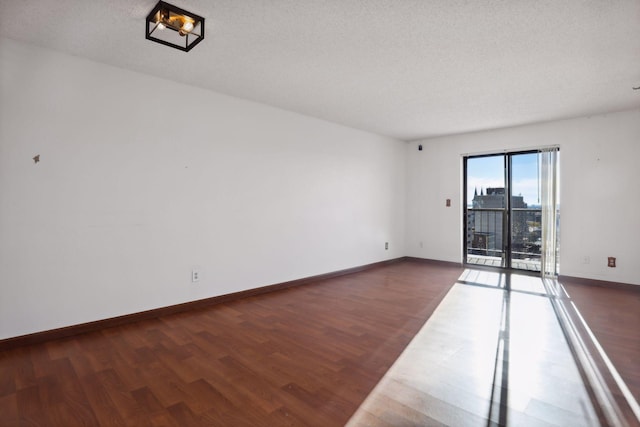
{"type": "Point", "coordinates": [175, 27]}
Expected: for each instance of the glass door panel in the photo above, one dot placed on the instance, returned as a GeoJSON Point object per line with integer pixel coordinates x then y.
{"type": "Point", "coordinates": [525, 211]}
{"type": "Point", "coordinates": [485, 211]}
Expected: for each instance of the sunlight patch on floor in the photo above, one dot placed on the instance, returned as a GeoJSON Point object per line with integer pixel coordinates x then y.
{"type": "Point", "coordinates": [485, 354]}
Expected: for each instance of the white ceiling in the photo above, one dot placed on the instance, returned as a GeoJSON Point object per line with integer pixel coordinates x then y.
{"type": "Point", "coordinates": [406, 69]}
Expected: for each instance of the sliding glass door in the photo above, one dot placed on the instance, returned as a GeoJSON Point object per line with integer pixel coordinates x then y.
{"type": "Point", "coordinates": [506, 223]}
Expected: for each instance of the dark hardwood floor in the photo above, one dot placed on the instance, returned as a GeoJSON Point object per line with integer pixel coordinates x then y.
{"type": "Point", "coordinates": [614, 318]}
{"type": "Point", "coordinates": [303, 356]}
{"type": "Point", "coordinates": [308, 355]}
{"type": "Point", "coordinates": [492, 354]}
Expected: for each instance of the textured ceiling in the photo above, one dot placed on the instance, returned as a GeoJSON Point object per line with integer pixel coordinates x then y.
{"type": "Point", "coordinates": [406, 69]}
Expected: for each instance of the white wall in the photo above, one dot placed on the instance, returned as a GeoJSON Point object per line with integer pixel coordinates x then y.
{"type": "Point", "coordinates": [600, 202]}
{"type": "Point", "coordinates": [141, 179]}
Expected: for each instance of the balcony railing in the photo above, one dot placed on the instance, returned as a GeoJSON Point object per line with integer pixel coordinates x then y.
{"type": "Point", "coordinates": [485, 237]}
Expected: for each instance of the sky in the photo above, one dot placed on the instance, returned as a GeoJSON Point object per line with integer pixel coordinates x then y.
{"type": "Point", "coordinates": [483, 172]}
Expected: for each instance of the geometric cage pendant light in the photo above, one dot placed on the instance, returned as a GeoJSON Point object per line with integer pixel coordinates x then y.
{"type": "Point", "coordinates": [175, 27]}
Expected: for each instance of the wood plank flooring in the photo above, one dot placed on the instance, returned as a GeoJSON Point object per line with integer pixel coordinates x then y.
{"type": "Point", "coordinates": [311, 355]}
{"type": "Point", "coordinates": [614, 317]}
{"type": "Point", "coordinates": [303, 356]}
{"type": "Point", "coordinates": [493, 353]}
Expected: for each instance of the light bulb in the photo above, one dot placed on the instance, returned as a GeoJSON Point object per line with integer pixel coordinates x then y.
{"type": "Point", "coordinates": [188, 26]}
{"type": "Point", "coordinates": [161, 26]}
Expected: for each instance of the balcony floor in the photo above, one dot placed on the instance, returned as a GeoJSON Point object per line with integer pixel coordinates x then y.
{"type": "Point", "coordinates": [519, 264]}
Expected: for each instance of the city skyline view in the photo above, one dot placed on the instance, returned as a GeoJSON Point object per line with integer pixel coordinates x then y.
{"type": "Point", "coordinates": [488, 172]}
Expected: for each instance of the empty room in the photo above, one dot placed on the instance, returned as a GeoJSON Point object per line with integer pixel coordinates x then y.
{"type": "Point", "coordinates": [319, 213]}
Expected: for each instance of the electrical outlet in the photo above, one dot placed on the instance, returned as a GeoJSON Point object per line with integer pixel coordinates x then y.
{"type": "Point", "coordinates": [611, 261]}
{"type": "Point", "coordinates": [195, 275]}
{"type": "Point", "coordinates": [386, 246]}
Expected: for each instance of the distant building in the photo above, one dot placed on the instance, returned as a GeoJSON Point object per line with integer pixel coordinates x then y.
{"type": "Point", "coordinates": [495, 199]}
{"type": "Point", "coordinates": [484, 228]}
